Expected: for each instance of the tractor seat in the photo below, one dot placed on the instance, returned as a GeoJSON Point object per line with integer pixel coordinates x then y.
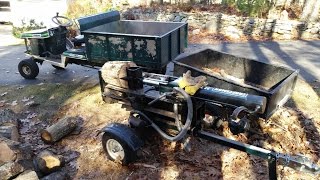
{"type": "Point", "coordinates": [78, 40]}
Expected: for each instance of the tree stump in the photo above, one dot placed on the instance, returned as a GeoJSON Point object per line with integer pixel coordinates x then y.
{"type": "Point", "coordinates": [47, 162]}
{"type": "Point", "coordinates": [58, 130]}
{"type": "Point", "coordinates": [9, 131]}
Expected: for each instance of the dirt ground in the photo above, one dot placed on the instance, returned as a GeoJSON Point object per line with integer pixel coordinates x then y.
{"type": "Point", "coordinates": [293, 129]}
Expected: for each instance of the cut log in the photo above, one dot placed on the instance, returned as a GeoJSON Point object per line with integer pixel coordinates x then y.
{"type": "Point", "coordinates": [28, 175]}
{"type": "Point", "coordinates": [56, 175]}
{"type": "Point", "coordinates": [60, 129]}
{"type": "Point", "coordinates": [10, 170]}
{"type": "Point", "coordinates": [47, 162]}
{"type": "Point", "coordinates": [9, 131]}
{"type": "Point", "coordinates": [8, 116]}
{"type": "Point", "coordinates": [6, 153]}
{"type": "Point", "coordinates": [113, 72]}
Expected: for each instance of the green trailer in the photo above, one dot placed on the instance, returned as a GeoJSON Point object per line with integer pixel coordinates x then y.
{"type": "Point", "coordinates": [104, 37]}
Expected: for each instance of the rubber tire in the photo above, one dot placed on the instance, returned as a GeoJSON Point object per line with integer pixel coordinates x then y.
{"type": "Point", "coordinates": [33, 67]}
{"type": "Point", "coordinates": [129, 154]}
{"type": "Point", "coordinates": [57, 67]}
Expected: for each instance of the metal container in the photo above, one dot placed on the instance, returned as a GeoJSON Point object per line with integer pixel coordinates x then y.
{"type": "Point", "coordinates": [276, 83]}
{"type": "Point", "coordinates": [148, 44]}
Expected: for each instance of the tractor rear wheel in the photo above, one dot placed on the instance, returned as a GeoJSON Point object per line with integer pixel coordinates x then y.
{"type": "Point", "coordinates": [28, 69]}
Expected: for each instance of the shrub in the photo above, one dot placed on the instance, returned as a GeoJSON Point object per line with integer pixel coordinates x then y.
{"type": "Point", "coordinates": [253, 8]}
{"type": "Point", "coordinates": [26, 26]}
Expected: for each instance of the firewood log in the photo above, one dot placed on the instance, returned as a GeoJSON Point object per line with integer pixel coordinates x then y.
{"type": "Point", "coordinates": [10, 169]}
{"type": "Point", "coordinates": [47, 162]}
{"type": "Point", "coordinates": [58, 130]}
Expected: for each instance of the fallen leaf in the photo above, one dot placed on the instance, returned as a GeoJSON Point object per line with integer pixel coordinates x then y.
{"type": "Point", "coordinates": [30, 116]}
{"type": "Point", "coordinates": [14, 103]}
{"type": "Point", "coordinates": [3, 94]}
{"type": "Point", "coordinates": [52, 97]}
{"type": "Point", "coordinates": [25, 99]}
{"type": "Point", "coordinates": [29, 103]}
{"type": "Point", "coordinates": [20, 87]}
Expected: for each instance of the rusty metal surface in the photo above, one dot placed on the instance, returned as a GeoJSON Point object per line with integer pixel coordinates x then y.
{"type": "Point", "coordinates": [148, 44]}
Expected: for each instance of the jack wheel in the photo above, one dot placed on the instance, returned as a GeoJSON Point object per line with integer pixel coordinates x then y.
{"type": "Point", "coordinates": [57, 67]}
{"type": "Point", "coordinates": [28, 69]}
{"type": "Point", "coordinates": [117, 144]}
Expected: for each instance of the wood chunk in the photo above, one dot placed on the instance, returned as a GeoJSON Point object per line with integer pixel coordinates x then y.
{"type": "Point", "coordinates": [28, 175]}
{"type": "Point", "coordinates": [10, 169]}
{"type": "Point", "coordinates": [47, 162]}
{"type": "Point", "coordinates": [60, 129]}
{"type": "Point", "coordinates": [6, 153]}
{"type": "Point", "coordinates": [9, 131]}
{"type": "Point", "coordinates": [8, 116]}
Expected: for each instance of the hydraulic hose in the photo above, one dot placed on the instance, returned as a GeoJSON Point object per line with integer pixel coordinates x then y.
{"type": "Point", "coordinates": [184, 128]}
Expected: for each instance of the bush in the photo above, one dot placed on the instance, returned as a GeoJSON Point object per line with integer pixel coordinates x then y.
{"type": "Point", "coordinates": [253, 8]}
{"type": "Point", "coordinates": [26, 26]}
{"type": "Point", "coordinates": [80, 8]}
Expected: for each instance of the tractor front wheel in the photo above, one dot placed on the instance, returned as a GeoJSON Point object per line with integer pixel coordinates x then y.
{"type": "Point", "coordinates": [28, 69]}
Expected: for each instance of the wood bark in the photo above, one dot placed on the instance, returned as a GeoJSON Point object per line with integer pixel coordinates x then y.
{"type": "Point", "coordinates": [9, 131]}
{"type": "Point", "coordinates": [10, 170]}
{"type": "Point", "coordinates": [58, 130]}
{"type": "Point", "coordinates": [47, 162]}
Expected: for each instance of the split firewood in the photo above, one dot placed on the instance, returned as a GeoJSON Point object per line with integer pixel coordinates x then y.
{"type": "Point", "coordinates": [8, 116]}
{"type": "Point", "coordinates": [6, 153]}
{"type": "Point", "coordinates": [27, 175]}
{"type": "Point", "coordinates": [47, 162]}
{"type": "Point", "coordinates": [60, 129]}
{"type": "Point", "coordinates": [10, 169]}
{"type": "Point", "coordinates": [9, 131]}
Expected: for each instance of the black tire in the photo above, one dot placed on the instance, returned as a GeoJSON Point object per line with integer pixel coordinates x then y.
{"type": "Point", "coordinates": [28, 69]}
{"type": "Point", "coordinates": [57, 67]}
{"type": "Point", "coordinates": [130, 154]}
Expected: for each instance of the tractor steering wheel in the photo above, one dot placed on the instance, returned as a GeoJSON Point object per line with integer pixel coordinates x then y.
{"type": "Point", "coordinates": [62, 21]}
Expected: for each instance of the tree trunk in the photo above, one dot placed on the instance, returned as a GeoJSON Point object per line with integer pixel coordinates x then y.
{"type": "Point", "coordinates": [10, 170]}
{"type": "Point", "coordinates": [47, 162]}
{"type": "Point", "coordinates": [9, 131]}
{"type": "Point", "coordinates": [58, 130]}
{"type": "Point", "coordinates": [308, 9]}
{"type": "Point", "coordinates": [315, 13]}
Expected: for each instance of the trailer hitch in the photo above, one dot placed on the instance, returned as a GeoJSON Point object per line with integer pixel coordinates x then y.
{"type": "Point", "coordinates": [296, 162]}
